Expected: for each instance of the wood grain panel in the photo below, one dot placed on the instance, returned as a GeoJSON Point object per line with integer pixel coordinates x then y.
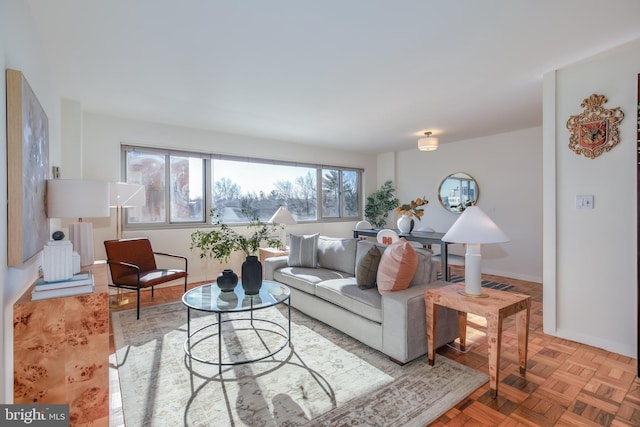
{"type": "Point", "coordinates": [14, 167]}
{"type": "Point", "coordinates": [61, 352]}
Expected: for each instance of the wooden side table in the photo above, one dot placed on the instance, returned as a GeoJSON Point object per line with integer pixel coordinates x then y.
{"type": "Point", "coordinates": [265, 253]}
{"type": "Point", "coordinates": [495, 308]}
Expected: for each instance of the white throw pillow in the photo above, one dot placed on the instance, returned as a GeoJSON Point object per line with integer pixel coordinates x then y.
{"type": "Point", "coordinates": [303, 250]}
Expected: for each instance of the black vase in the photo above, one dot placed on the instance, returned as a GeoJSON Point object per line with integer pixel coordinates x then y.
{"type": "Point", "coordinates": [227, 280]}
{"type": "Point", "coordinates": [251, 275]}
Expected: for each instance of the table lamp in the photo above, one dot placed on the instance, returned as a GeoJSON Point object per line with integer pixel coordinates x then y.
{"type": "Point", "coordinates": [474, 228]}
{"type": "Point", "coordinates": [283, 217]}
{"type": "Point", "coordinates": [123, 195]}
{"type": "Point", "coordinates": [74, 198]}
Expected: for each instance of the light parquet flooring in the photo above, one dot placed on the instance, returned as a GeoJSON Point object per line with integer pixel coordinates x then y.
{"type": "Point", "coordinates": [566, 384]}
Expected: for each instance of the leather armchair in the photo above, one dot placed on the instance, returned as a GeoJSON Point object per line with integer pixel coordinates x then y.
{"type": "Point", "coordinates": [132, 263]}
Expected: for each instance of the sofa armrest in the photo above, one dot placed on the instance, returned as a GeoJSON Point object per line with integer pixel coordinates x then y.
{"type": "Point", "coordinates": [272, 264]}
{"type": "Point", "coordinates": [404, 330]}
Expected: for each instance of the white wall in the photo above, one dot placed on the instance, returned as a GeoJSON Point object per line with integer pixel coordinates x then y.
{"type": "Point", "coordinates": [592, 288]}
{"type": "Point", "coordinates": [103, 135]}
{"type": "Point", "coordinates": [20, 49]}
{"type": "Point", "coordinates": [508, 169]}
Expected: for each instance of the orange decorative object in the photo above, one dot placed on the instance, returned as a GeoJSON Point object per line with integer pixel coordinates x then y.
{"type": "Point", "coordinates": [595, 130]}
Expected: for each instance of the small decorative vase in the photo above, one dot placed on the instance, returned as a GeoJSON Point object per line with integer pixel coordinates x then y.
{"type": "Point", "coordinates": [251, 275]}
{"type": "Point", "coordinates": [227, 280]}
{"type": "Point", "coordinates": [405, 224]}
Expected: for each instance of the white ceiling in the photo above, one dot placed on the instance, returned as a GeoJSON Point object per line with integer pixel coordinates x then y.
{"type": "Point", "coordinates": [367, 75]}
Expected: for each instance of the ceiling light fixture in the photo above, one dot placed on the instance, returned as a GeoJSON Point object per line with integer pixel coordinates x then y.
{"type": "Point", "coordinates": [428, 143]}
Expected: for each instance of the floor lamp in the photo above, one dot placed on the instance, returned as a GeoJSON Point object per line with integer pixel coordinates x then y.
{"type": "Point", "coordinates": [123, 195]}
{"type": "Point", "coordinates": [474, 228]}
{"type": "Point", "coordinates": [74, 198]}
{"type": "Point", "coordinates": [283, 217]}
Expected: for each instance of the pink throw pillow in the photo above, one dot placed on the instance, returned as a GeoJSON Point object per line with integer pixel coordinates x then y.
{"type": "Point", "coordinates": [397, 267]}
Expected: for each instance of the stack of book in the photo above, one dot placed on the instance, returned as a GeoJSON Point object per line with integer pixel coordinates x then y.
{"type": "Point", "coordinates": [81, 283]}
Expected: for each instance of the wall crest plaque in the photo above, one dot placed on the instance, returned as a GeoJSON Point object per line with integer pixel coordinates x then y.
{"type": "Point", "coordinates": [595, 130]}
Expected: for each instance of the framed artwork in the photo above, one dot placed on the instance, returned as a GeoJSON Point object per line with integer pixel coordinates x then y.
{"type": "Point", "coordinates": [27, 170]}
{"type": "Point", "coordinates": [595, 130]}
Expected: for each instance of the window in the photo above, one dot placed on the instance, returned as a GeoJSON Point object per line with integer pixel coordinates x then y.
{"type": "Point", "coordinates": [181, 187]}
{"type": "Point", "coordinates": [340, 193]}
{"type": "Point", "coordinates": [184, 194]}
{"type": "Point", "coordinates": [186, 189]}
{"type": "Point", "coordinates": [261, 188]}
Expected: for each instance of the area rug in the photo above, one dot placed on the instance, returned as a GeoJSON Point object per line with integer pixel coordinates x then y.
{"type": "Point", "coordinates": [325, 378]}
{"type": "Point", "coordinates": [485, 283]}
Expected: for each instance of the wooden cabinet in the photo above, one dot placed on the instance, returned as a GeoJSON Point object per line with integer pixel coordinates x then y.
{"type": "Point", "coordinates": [61, 352]}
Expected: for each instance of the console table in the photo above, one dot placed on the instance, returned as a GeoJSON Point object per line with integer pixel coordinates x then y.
{"type": "Point", "coordinates": [61, 351]}
{"type": "Point", "coordinates": [425, 237]}
{"type": "Point", "coordinates": [497, 306]}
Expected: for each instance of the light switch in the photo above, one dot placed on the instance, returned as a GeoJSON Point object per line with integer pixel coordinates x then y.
{"type": "Point", "coordinates": [584, 202]}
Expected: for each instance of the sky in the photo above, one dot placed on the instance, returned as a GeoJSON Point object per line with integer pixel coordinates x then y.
{"type": "Point", "coordinates": [256, 177]}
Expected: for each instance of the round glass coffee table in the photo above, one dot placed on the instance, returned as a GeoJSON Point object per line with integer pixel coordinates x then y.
{"type": "Point", "coordinates": [209, 298]}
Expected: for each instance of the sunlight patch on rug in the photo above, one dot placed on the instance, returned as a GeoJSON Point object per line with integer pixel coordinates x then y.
{"type": "Point", "coordinates": [326, 377]}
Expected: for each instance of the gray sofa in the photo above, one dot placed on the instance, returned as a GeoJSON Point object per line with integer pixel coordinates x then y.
{"type": "Point", "coordinates": [392, 322]}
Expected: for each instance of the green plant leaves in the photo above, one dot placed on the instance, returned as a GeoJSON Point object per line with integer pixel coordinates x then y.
{"type": "Point", "coordinates": [220, 242]}
{"type": "Point", "coordinates": [379, 204]}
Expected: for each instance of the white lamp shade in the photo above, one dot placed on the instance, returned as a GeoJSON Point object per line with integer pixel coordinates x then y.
{"type": "Point", "coordinates": [282, 216]}
{"type": "Point", "coordinates": [474, 226]}
{"type": "Point", "coordinates": [126, 195]}
{"type": "Point", "coordinates": [428, 143]}
{"type": "Point", "coordinates": [74, 198]}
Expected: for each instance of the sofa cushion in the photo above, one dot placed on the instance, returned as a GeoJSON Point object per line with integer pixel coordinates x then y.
{"type": "Point", "coordinates": [305, 279]}
{"type": "Point", "coordinates": [336, 253]}
{"type": "Point", "coordinates": [367, 268]}
{"type": "Point", "coordinates": [345, 293]}
{"type": "Point", "coordinates": [424, 268]}
{"type": "Point", "coordinates": [397, 267]}
{"type": "Point", "coordinates": [365, 245]}
{"type": "Point", "coordinates": [303, 250]}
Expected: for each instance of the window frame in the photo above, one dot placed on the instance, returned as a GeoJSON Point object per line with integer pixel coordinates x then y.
{"type": "Point", "coordinates": [208, 185]}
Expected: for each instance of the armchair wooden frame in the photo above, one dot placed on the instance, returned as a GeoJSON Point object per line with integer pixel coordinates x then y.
{"type": "Point", "coordinates": [132, 264]}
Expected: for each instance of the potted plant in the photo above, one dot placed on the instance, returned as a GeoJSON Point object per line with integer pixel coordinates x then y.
{"type": "Point", "coordinates": [221, 241]}
{"type": "Point", "coordinates": [379, 204]}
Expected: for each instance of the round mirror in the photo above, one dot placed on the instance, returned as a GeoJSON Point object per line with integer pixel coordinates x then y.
{"type": "Point", "coordinates": [458, 191]}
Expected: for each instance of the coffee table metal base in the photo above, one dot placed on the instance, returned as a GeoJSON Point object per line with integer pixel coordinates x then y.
{"type": "Point", "coordinates": [278, 330]}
